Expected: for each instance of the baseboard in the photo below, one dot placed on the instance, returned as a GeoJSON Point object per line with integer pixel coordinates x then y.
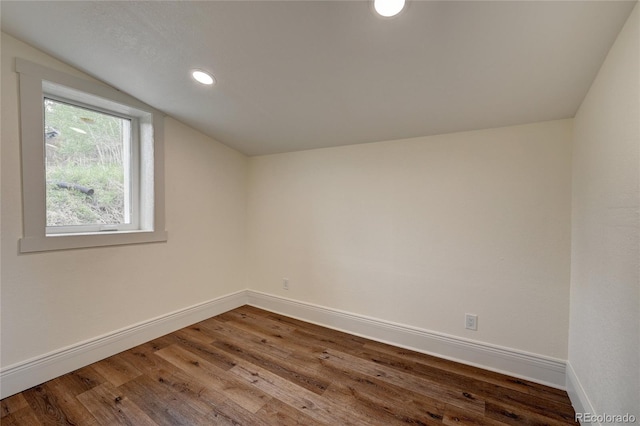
{"type": "Point", "coordinates": [533, 367]}
{"type": "Point", "coordinates": [548, 371]}
{"type": "Point", "coordinates": [577, 395]}
{"type": "Point", "coordinates": [26, 374]}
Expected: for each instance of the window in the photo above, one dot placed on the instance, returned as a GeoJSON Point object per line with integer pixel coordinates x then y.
{"type": "Point", "coordinates": [92, 164]}
{"type": "Point", "coordinates": [90, 169]}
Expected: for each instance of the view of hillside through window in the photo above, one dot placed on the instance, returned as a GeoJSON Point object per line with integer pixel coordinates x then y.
{"type": "Point", "coordinates": [87, 172]}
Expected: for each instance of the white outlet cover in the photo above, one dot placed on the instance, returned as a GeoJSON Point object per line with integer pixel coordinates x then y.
{"type": "Point", "coordinates": [471, 322]}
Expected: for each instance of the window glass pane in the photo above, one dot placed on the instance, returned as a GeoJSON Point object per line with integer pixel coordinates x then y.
{"type": "Point", "coordinates": [87, 173]}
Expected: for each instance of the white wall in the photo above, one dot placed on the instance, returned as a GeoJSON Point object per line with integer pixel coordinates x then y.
{"type": "Point", "coordinates": [604, 338]}
{"type": "Point", "coordinates": [54, 299]}
{"type": "Point", "coordinates": [421, 231]}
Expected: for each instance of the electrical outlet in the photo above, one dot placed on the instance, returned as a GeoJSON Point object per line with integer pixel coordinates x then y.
{"type": "Point", "coordinates": [471, 322]}
{"type": "Point", "coordinates": [285, 283]}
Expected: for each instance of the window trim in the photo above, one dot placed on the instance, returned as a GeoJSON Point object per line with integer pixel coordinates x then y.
{"type": "Point", "coordinates": [152, 211]}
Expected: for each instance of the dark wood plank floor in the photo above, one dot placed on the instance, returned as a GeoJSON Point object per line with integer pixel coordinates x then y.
{"type": "Point", "coordinates": [253, 367]}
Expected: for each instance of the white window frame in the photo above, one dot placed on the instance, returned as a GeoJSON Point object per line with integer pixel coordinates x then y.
{"type": "Point", "coordinates": [38, 82]}
{"type": "Point", "coordinates": [131, 164]}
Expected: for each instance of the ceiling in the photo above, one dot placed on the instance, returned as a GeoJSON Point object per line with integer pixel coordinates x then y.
{"type": "Point", "coordinates": [294, 75]}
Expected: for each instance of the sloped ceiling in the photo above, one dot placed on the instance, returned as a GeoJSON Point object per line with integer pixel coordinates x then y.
{"type": "Point", "coordinates": [294, 75]}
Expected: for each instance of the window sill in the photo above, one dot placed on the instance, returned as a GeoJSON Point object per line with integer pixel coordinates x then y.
{"type": "Point", "coordinates": [101, 239]}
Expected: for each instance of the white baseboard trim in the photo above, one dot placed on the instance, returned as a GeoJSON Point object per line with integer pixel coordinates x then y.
{"type": "Point", "coordinates": [537, 368]}
{"type": "Point", "coordinates": [24, 375]}
{"type": "Point", "coordinates": [577, 394]}
{"type": "Point", "coordinates": [533, 367]}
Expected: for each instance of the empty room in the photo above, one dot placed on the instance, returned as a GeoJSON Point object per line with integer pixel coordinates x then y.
{"type": "Point", "coordinates": [359, 212]}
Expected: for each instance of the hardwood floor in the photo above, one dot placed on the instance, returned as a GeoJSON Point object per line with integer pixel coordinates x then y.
{"type": "Point", "coordinates": [253, 367]}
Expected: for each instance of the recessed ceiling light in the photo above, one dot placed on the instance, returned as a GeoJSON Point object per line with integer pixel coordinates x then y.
{"type": "Point", "coordinates": [203, 77]}
{"type": "Point", "coordinates": [388, 8]}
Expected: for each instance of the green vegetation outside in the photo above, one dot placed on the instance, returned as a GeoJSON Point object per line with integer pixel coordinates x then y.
{"type": "Point", "coordinates": [84, 152]}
